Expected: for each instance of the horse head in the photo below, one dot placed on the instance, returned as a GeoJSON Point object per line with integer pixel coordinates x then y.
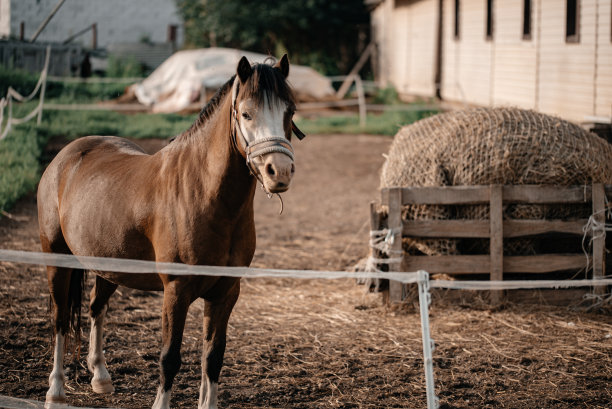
{"type": "Point", "coordinates": [263, 105]}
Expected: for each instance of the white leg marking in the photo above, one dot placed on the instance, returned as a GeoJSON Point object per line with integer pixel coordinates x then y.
{"type": "Point", "coordinates": [162, 400]}
{"type": "Point", "coordinates": [208, 395]}
{"type": "Point", "coordinates": [56, 392]}
{"type": "Point", "coordinates": [101, 381]}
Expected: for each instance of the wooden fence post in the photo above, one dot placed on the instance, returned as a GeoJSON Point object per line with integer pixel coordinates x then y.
{"type": "Point", "coordinates": [599, 238]}
{"type": "Point", "coordinates": [395, 225]}
{"type": "Point", "coordinates": [496, 248]}
{"type": "Point", "coordinates": [375, 224]}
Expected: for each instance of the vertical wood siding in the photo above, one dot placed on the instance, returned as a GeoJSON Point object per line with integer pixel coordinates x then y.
{"type": "Point", "coordinates": [603, 68]}
{"type": "Point", "coordinates": [545, 72]}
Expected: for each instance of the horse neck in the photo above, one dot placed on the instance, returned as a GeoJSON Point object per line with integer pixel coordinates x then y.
{"type": "Point", "coordinates": [205, 166]}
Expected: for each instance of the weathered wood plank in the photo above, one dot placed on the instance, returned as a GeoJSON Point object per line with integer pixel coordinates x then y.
{"type": "Point", "coordinates": [544, 263]}
{"type": "Point", "coordinates": [480, 264]}
{"type": "Point", "coordinates": [375, 224]}
{"type": "Point", "coordinates": [496, 243]}
{"type": "Point", "coordinates": [481, 228]}
{"type": "Point", "coordinates": [395, 224]}
{"type": "Point", "coordinates": [445, 195]}
{"type": "Point", "coordinates": [538, 194]}
{"type": "Point", "coordinates": [447, 264]}
{"type": "Point", "coordinates": [599, 238]}
{"type": "Point", "coordinates": [446, 228]}
{"type": "Point", "coordinates": [520, 228]}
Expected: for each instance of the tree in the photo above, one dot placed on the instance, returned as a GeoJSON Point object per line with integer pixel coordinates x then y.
{"type": "Point", "coordinates": [325, 34]}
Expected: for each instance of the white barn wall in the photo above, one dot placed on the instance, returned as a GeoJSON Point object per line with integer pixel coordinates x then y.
{"type": "Point", "coordinates": [406, 38]}
{"type": "Point", "coordinates": [400, 47]}
{"type": "Point", "coordinates": [515, 58]}
{"type": "Point", "coordinates": [474, 58]}
{"type": "Point", "coordinates": [451, 88]}
{"type": "Point", "coordinates": [422, 54]}
{"type": "Point", "coordinates": [118, 21]}
{"type": "Point", "coordinates": [546, 73]}
{"type": "Point", "coordinates": [381, 32]}
{"type": "Point", "coordinates": [5, 18]}
{"type": "Point", "coordinates": [566, 70]}
{"type": "Point", "coordinates": [603, 68]}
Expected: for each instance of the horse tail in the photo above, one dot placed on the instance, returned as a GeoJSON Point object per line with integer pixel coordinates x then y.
{"type": "Point", "coordinates": [75, 298]}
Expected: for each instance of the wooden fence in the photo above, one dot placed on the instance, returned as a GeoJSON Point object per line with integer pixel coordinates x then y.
{"type": "Point", "coordinates": [65, 58]}
{"type": "Point", "coordinates": [496, 229]}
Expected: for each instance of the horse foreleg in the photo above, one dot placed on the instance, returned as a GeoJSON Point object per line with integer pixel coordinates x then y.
{"type": "Point", "coordinates": [216, 317]}
{"type": "Point", "coordinates": [174, 312]}
{"type": "Point", "coordinates": [101, 380]}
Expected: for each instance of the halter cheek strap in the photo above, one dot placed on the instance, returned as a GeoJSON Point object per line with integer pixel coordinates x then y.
{"type": "Point", "coordinates": [258, 147]}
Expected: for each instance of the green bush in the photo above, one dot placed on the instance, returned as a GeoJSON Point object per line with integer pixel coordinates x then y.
{"type": "Point", "coordinates": [123, 67]}
{"type": "Point", "coordinates": [386, 96]}
{"type": "Point", "coordinates": [22, 81]}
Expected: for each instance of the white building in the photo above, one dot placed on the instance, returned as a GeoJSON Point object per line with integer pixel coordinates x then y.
{"type": "Point", "coordinates": [117, 21]}
{"type": "Point", "coordinates": [554, 56]}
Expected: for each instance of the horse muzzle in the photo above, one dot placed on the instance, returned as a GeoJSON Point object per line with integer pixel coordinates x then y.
{"type": "Point", "coordinates": [276, 168]}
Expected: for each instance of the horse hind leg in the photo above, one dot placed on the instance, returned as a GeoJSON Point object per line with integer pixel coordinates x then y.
{"type": "Point", "coordinates": [100, 294]}
{"type": "Point", "coordinates": [59, 282]}
{"type": "Point", "coordinates": [65, 286]}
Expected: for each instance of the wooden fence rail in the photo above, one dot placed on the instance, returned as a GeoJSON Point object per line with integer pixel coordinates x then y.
{"type": "Point", "coordinates": [496, 229]}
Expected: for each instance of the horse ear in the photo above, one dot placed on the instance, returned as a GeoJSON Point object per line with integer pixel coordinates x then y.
{"type": "Point", "coordinates": [244, 69]}
{"type": "Point", "coordinates": [283, 65]}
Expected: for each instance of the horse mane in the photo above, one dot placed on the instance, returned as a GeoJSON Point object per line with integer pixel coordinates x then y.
{"type": "Point", "coordinates": [207, 110]}
{"type": "Point", "coordinates": [264, 82]}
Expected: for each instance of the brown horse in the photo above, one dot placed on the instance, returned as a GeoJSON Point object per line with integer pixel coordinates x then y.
{"type": "Point", "coordinates": [191, 202]}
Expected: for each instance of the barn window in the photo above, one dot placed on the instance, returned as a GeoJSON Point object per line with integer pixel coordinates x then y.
{"type": "Point", "coordinates": [572, 21]}
{"type": "Point", "coordinates": [489, 34]}
{"type": "Point", "coordinates": [526, 19]}
{"type": "Point", "coordinates": [457, 9]}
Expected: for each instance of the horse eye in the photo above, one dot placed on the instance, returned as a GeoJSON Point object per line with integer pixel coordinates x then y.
{"type": "Point", "coordinates": [246, 116]}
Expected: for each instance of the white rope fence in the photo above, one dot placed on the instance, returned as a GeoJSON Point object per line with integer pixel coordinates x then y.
{"type": "Point", "coordinates": [421, 278]}
{"type": "Point", "coordinates": [12, 94]}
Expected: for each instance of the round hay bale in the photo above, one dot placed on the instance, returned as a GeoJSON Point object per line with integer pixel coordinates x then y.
{"type": "Point", "coordinates": [485, 146]}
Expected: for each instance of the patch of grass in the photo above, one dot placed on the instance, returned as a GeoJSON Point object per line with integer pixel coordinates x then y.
{"type": "Point", "coordinates": [19, 163]}
{"type": "Point", "coordinates": [386, 123]}
{"type": "Point", "coordinates": [57, 91]}
{"type": "Point", "coordinates": [74, 124]}
{"type": "Point", "coordinates": [82, 92]}
{"type": "Point", "coordinates": [21, 150]}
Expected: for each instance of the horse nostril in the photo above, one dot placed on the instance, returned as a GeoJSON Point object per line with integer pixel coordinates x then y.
{"type": "Point", "coordinates": [270, 169]}
{"type": "Point", "coordinates": [292, 168]}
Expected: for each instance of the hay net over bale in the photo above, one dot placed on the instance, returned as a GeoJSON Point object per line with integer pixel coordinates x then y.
{"type": "Point", "coordinates": [483, 146]}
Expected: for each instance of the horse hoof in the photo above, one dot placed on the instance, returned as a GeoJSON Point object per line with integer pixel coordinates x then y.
{"type": "Point", "coordinates": [102, 386]}
{"type": "Point", "coordinates": [54, 401]}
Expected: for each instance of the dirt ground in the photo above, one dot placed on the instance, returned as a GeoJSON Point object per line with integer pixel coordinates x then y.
{"type": "Point", "coordinates": [303, 343]}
